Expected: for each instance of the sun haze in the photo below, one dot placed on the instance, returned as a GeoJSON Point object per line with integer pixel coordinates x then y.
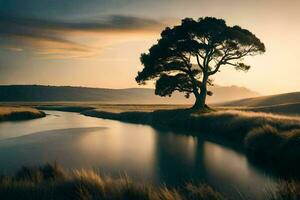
{"type": "Point", "coordinates": [98, 43]}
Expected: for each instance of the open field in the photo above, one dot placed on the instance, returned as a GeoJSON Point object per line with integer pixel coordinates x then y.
{"type": "Point", "coordinates": [51, 181]}
{"type": "Point", "coordinates": [19, 113]}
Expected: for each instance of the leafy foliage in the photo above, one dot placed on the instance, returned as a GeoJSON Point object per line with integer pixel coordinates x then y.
{"type": "Point", "coordinates": [186, 55]}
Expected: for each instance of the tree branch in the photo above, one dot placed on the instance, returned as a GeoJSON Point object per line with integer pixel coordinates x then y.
{"type": "Point", "coordinates": [242, 54]}
{"type": "Point", "coordinates": [218, 65]}
{"type": "Point", "coordinates": [224, 60]}
{"type": "Point", "coordinates": [199, 64]}
{"type": "Point", "coordinates": [228, 63]}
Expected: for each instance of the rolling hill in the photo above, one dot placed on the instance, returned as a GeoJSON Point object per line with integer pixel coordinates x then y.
{"type": "Point", "coordinates": [287, 109]}
{"type": "Point", "coordinates": [271, 100]}
{"type": "Point", "coordinates": [40, 93]}
{"type": "Point", "coordinates": [287, 104]}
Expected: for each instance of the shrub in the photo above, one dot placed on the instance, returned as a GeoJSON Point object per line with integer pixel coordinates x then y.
{"type": "Point", "coordinates": [49, 171]}
{"type": "Point", "coordinates": [265, 140]}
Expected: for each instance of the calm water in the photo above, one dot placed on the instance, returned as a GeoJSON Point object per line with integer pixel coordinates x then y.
{"type": "Point", "coordinates": [77, 141]}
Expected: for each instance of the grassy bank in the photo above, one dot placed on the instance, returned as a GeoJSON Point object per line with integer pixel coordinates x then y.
{"type": "Point", "coordinates": [274, 138]}
{"type": "Point", "coordinates": [51, 181]}
{"type": "Point", "coordinates": [19, 113]}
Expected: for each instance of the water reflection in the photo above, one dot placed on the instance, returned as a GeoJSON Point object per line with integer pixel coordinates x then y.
{"type": "Point", "coordinates": [54, 120]}
{"type": "Point", "coordinates": [231, 169]}
{"type": "Point", "coordinates": [77, 141]}
{"type": "Point", "coordinates": [117, 152]}
{"type": "Point", "coordinates": [176, 157]}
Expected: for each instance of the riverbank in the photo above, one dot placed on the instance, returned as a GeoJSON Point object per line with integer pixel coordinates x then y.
{"type": "Point", "coordinates": [273, 139]}
{"type": "Point", "coordinates": [268, 138]}
{"type": "Point", "coordinates": [9, 113]}
{"type": "Point", "coordinates": [51, 181]}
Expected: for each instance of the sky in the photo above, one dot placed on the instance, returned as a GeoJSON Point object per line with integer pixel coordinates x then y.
{"type": "Point", "coordinates": [97, 43]}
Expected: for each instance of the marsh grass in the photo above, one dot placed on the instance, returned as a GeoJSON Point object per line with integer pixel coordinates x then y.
{"type": "Point", "coordinates": [52, 182]}
{"type": "Point", "coordinates": [49, 171]}
{"type": "Point", "coordinates": [283, 146]}
{"type": "Point", "coordinates": [19, 113]}
{"type": "Point", "coordinates": [286, 190]}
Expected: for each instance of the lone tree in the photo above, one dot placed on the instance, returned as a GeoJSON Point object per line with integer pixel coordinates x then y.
{"type": "Point", "coordinates": [187, 55]}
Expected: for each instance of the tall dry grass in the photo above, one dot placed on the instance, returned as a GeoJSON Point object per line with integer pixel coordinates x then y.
{"type": "Point", "coordinates": [52, 182]}
{"type": "Point", "coordinates": [286, 190]}
{"type": "Point", "coordinates": [19, 113]}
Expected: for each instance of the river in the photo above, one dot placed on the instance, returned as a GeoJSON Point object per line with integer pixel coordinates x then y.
{"type": "Point", "coordinates": [140, 151]}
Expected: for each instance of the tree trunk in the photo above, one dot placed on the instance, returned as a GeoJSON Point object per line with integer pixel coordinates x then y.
{"type": "Point", "coordinates": [201, 98]}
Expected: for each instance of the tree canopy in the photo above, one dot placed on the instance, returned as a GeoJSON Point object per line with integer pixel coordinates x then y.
{"type": "Point", "coordinates": [188, 54]}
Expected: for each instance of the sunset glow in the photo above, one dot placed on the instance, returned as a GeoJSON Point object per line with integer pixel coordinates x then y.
{"type": "Point", "coordinates": [93, 43]}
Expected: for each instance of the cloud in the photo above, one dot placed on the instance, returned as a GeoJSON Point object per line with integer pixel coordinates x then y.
{"type": "Point", "coordinates": [54, 37]}
{"type": "Point", "coordinates": [11, 48]}
{"type": "Point", "coordinates": [105, 23]}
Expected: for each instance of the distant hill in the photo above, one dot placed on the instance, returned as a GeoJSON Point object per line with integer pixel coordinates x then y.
{"type": "Point", "coordinates": [271, 100]}
{"type": "Point", "coordinates": [286, 109]}
{"type": "Point", "coordinates": [230, 93]}
{"type": "Point", "coordinates": [26, 93]}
